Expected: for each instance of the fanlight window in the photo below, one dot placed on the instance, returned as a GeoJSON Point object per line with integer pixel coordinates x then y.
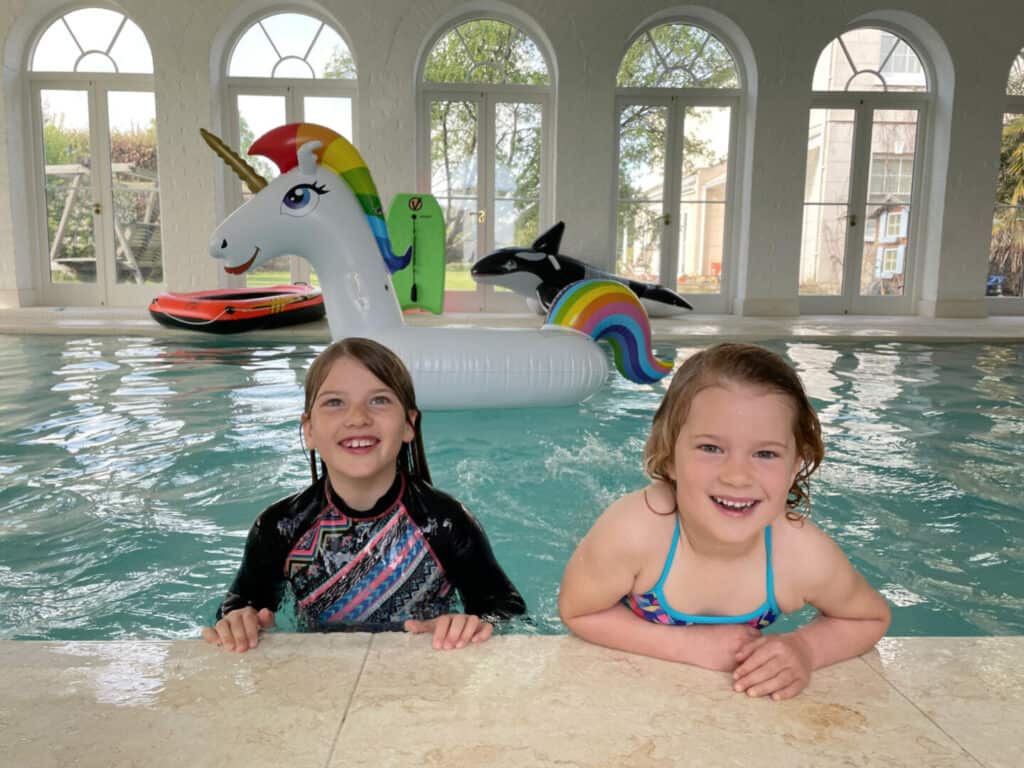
{"type": "Point", "coordinates": [677, 56]}
{"type": "Point", "coordinates": [93, 40]}
{"type": "Point", "coordinates": [869, 59]}
{"type": "Point", "coordinates": [292, 45]}
{"type": "Point", "coordinates": [1015, 83]}
{"type": "Point", "coordinates": [486, 51]}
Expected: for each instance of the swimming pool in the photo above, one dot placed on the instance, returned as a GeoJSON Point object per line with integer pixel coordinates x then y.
{"type": "Point", "coordinates": [131, 469]}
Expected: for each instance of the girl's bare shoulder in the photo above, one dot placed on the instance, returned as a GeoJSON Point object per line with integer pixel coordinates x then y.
{"type": "Point", "coordinates": [641, 517]}
{"type": "Point", "coordinates": [802, 551]}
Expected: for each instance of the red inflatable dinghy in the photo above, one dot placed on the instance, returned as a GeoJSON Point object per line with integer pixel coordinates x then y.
{"type": "Point", "coordinates": [233, 310]}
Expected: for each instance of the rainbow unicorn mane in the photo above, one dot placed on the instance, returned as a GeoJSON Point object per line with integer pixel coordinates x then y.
{"type": "Point", "coordinates": [609, 311]}
{"type": "Point", "coordinates": [281, 145]}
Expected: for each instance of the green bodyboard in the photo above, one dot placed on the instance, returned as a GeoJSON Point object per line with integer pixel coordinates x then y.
{"type": "Point", "coordinates": [416, 220]}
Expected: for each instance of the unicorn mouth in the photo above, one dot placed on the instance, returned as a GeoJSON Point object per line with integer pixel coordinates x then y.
{"type": "Point", "coordinates": [242, 267]}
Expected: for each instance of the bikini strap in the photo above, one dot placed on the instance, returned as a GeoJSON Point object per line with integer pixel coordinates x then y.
{"type": "Point", "coordinates": [770, 578]}
{"type": "Point", "coordinates": [668, 562]}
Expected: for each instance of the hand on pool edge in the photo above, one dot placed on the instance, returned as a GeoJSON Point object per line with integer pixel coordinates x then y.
{"type": "Point", "coordinates": [452, 630]}
{"type": "Point", "coordinates": [240, 629]}
{"type": "Point", "coordinates": [778, 666]}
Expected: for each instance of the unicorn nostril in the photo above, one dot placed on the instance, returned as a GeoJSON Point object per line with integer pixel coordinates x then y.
{"type": "Point", "coordinates": [223, 243]}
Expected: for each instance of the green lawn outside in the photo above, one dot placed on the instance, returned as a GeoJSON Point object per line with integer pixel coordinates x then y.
{"type": "Point", "coordinates": [456, 279]}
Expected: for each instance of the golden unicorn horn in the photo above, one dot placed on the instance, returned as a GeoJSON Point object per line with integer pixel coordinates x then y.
{"type": "Point", "coordinates": [235, 162]}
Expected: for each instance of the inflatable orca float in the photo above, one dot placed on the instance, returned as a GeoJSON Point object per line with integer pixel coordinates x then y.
{"type": "Point", "coordinates": [540, 272]}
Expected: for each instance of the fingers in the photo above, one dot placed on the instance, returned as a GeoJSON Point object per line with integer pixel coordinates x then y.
{"type": "Point", "coordinates": [210, 636]}
{"type": "Point", "coordinates": [755, 676]}
{"type": "Point", "coordinates": [452, 630]}
{"type": "Point", "coordinates": [239, 630]}
{"type": "Point", "coordinates": [483, 632]}
{"type": "Point", "coordinates": [250, 629]}
{"type": "Point", "coordinates": [418, 627]}
{"type": "Point", "coordinates": [447, 626]}
{"type": "Point", "coordinates": [789, 691]}
{"type": "Point", "coordinates": [749, 646]}
{"type": "Point", "coordinates": [785, 680]}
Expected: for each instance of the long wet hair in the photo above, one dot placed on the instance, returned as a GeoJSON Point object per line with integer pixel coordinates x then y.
{"type": "Point", "coordinates": [742, 364]}
{"type": "Point", "coordinates": [386, 366]}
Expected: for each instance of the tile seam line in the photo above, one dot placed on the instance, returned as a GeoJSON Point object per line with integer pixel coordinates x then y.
{"type": "Point", "coordinates": [348, 704]}
{"type": "Point", "coordinates": [924, 714]}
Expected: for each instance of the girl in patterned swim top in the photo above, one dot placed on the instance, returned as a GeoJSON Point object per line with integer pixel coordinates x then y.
{"type": "Point", "coordinates": [690, 568]}
{"type": "Point", "coordinates": [370, 545]}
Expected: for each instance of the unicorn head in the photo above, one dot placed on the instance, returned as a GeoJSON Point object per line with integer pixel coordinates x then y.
{"type": "Point", "coordinates": [323, 207]}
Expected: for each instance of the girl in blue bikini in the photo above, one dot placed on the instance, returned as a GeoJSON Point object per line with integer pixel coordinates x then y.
{"type": "Point", "coordinates": [692, 567]}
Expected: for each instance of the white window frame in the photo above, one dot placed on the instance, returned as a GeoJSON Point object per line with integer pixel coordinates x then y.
{"type": "Point", "coordinates": [864, 104]}
{"type": "Point", "coordinates": [484, 298]}
{"type": "Point", "coordinates": [678, 100]}
{"type": "Point", "coordinates": [294, 90]}
{"type": "Point", "coordinates": [105, 291]}
{"type": "Point", "coordinates": [1007, 305]}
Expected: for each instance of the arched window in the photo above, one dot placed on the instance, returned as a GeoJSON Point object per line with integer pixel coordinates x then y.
{"type": "Point", "coordinates": [91, 84]}
{"type": "Point", "coordinates": [485, 96]}
{"type": "Point", "coordinates": [865, 129]}
{"type": "Point", "coordinates": [677, 97]}
{"type": "Point", "coordinates": [285, 68]}
{"type": "Point", "coordinates": [1006, 258]}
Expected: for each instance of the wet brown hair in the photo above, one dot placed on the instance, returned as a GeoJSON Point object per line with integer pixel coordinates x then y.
{"type": "Point", "coordinates": [742, 364]}
{"type": "Point", "coordinates": [386, 366]}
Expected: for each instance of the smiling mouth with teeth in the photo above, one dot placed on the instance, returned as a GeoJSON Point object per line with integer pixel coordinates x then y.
{"type": "Point", "coordinates": [357, 443]}
{"type": "Point", "coordinates": [734, 507]}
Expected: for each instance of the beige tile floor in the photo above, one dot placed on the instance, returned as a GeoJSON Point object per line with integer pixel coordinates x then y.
{"type": "Point", "coordinates": [343, 701]}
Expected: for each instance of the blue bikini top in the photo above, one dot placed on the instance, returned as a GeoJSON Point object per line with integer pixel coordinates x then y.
{"type": "Point", "coordinates": [654, 607]}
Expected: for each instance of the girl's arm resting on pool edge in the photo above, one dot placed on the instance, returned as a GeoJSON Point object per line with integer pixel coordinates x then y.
{"type": "Point", "coordinates": [603, 569]}
{"type": "Point", "coordinates": [852, 616]}
{"type": "Point", "coordinates": [260, 580]}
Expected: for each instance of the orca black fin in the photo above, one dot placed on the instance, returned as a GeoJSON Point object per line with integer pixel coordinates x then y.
{"type": "Point", "coordinates": [550, 240]}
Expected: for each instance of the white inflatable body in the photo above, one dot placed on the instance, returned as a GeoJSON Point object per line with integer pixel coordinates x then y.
{"type": "Point", "coordinates": [310, 211]}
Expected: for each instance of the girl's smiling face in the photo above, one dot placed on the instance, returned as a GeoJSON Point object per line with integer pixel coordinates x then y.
{"type": "Point", "coordinates": [735, 460]}
{"type": "Point", "coordinates": [358, 425]}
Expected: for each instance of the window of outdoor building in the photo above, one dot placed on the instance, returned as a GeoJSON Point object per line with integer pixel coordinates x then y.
{"type": "Point", "coordinates": [91, 87]}
{"type": "Point", "coordinates": [1005, 280]}
{"type": "Point", "coordinates": [871, 94]}
{"type": "Point", "coordinates": [485, 107]}
{"type": "Point", "coordinates": [678, 91]}
{"type": "Point", "coordinates": [286, 68]}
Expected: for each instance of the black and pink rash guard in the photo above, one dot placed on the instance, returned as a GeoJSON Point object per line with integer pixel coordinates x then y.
{"type": "Point", "coordinates": [371, 570]}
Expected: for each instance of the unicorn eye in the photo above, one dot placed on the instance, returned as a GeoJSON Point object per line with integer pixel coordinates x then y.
{"type": "Point", "coordinates": [302, 199]}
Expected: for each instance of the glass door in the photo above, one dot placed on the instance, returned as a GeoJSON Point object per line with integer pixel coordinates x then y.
{"type": "Point", "coordinates": [101, 195]}
{"type": "Point", "coordinates": [486, 167]}
{"type": "Point", "coordinates": [858, 205]}
{"type": "Point", "coordinates": [644, 215]}
{"type": "Point", "coordinates": [673, 189]}
{"type": "Point", "coordinates": [134, 196]}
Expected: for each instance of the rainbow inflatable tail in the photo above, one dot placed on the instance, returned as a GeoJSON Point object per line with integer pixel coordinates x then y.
{"type": "Point", "coordinates": [609, 311]}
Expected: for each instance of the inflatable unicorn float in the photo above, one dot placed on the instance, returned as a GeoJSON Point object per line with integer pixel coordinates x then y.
{"type": "Point", "coordinates": [324, 207]}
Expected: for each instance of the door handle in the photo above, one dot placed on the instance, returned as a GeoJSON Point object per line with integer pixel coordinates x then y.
{"type": "Point", "coordinates": [97, 208]}
{"type": "Point", "coordinates": [853, 219]}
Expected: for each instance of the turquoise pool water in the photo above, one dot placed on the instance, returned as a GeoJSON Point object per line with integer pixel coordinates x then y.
{"type": "Point", "coordinates": [131, 469]}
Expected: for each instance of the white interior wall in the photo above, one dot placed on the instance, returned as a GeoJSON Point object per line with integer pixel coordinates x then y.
{"type": "Point", "coordinates": [783, 40]}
